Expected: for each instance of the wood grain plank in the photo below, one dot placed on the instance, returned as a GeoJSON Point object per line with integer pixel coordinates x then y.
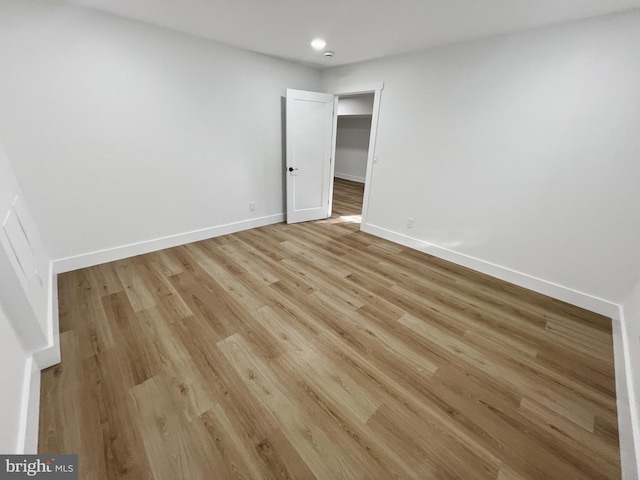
{"type": "Point", "coordinates": [316, 351]}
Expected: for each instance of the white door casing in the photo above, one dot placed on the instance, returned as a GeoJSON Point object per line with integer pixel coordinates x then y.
{"type": "Point", "coordinates": [376, 89]}
{"type": "Point", "coordinates": [309, 143]}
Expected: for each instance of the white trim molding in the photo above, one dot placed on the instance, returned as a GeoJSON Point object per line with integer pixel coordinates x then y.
{"type": "Point", "coordinates": [30, 410]}
{"type": "Point", "coordinates": [559, 292]}
{"type": "Point", "coordinates": [625, 394]}
{"type": "Point", "coordinates": [118, 253]}
{"type": "Point", "coordinates": [357, 89]}
{"type": "Point", "coordinates": [50, 355]}
{"type": "Point", "coordinates": [346, 176]}
{"type": "Point", "coordinates": [627, 390]}
{"type": "Point", "coordinates": [376, 89]}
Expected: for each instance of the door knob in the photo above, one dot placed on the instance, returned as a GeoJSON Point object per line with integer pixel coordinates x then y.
{"type": "Point", "coordinates": [291, 169]}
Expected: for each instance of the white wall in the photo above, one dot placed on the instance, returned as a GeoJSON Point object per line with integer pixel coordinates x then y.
{"type": "Point", "coordinates": [355, 104]}
{"type": "Point", "coordinates": [13, 364]}
{"type": "Point", "coordinates": [631, 322]}
{"type": "Point", "coordinates": [352, 147]}
{"type": "Point", "coordinates": [123, 133]}
{"type": "Point", "coordinates": [118, 133]}
{"type": "Point", "coordinates": [520, 150]}
{"type": "Point", "coordinates": [520, 156]}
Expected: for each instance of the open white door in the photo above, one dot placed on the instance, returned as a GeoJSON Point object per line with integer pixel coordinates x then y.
{"type": "Point", "coordinates": [309, 143]}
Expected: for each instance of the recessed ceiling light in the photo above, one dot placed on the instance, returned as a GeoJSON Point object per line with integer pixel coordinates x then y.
{"type": "Point", "coordinates": [318, 43]}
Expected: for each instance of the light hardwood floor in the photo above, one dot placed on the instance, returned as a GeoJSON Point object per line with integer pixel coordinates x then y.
{"type": "Point", "coordinates": [317, 351]}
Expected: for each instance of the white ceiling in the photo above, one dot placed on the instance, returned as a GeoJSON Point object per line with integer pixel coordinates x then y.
{"type": "Point", "coordinates": [356, 30]}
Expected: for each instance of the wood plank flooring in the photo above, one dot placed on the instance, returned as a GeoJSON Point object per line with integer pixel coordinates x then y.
{"type": "Point", "coordinates": [318, 351]}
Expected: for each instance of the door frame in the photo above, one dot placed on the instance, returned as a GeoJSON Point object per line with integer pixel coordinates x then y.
{"type": "Point", "coordinates": [376, 89]}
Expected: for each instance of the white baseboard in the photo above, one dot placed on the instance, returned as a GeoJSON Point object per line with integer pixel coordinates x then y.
{"type": "Point", "coordinates": [29, 410]}
{"type": "Point", "coordinates": [627, 406]}
{"type": "Point", "coordinates": [628, 415]}
{"type": "Point", "coordinates": [118, 253]}
{"type": "Point", "coordinates": [39, 360]}
{"type": "Point", "coordinates": [580, 299]}
{"type": "Point", "coordinates": [50, 355]}
{"type": "Point", "coordinates": [346, 176]}
{"type": "Point", "coordinates": [628, 402]}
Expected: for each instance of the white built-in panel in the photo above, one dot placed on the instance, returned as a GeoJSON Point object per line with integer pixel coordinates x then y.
{"type": "Point", "coordinates": [21, 243]}
{"type": "Point", "coordinates": [25, 280]}
{"type": "Point", "coordinates": [21, 251]}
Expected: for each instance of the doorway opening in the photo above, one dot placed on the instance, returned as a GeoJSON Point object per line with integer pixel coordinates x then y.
{"type": "Point", "coordinates": [311, 143]}
{"type": "Point", "coordinates": [352, 102]}
{"type": "Point", "coordinates": [353, 134]}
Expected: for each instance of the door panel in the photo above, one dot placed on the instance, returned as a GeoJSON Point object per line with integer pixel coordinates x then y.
{"type": "Point", "coordinates": [309, 143]}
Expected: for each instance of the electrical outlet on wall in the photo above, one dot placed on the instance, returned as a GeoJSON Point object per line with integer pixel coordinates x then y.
{"type": "Point", "coordinates": [252, 206]}
{"type": "Point", "coordinates": [410, 222]}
